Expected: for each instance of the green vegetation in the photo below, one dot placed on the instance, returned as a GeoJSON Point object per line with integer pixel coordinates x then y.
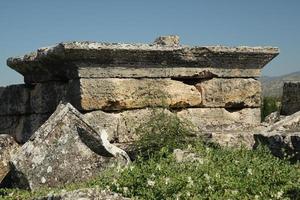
{"type": "Point", "coordinates": [269, 105]}
{"type": "Point", "coordinates": [219, 173]}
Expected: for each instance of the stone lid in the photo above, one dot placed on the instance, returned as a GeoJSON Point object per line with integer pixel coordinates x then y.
{"type": "Point", "coordinates": [164, 52]}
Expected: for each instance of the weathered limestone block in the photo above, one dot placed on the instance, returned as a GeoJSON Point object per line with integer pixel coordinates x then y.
{"type": "Point", "coordinates": [7, 146]}
{"type": "Point", "coordinates": [120, 94]}
{"type": "Point", "coordinates": [290, 98]}
{"type": "Point", "coordinates": [62, 61]}
{"type": "Point", "coordinates": [37, 99]}
{"type": "Point", "coordinates": [220, 119]}
{"type": "Point", "coordinates": [121, 127]}
{"type": "Point", "coordinates": [45, 97]}
{"type": "Point", "coordinates": [14, 100]}
{"type": "Point", "coordinates": [230, 93]}
{"type": "Point", "coordinates": [64, 150]}
{"type": "Point", "coordinates": [21, 127]}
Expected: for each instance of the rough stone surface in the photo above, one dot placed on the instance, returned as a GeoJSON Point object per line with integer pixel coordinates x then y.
{"type": "Point", "coordinates": [169, 40]}
{"type": "Point", "coordinates": [45, 97]}
{"type": "Point", "coordinates": [119, 94]}
{"type": "Point", "coordinates": [64, 150]}
{"type": "Point", "coordinates": [38, 99]}
{"type": "Point", "coordinates": [290, 98]}
{"type": "Point", "coordinates": [220, 119]}
{"type": "Point", "coordinates": [21, 127]}
{"type": "Point", "coordinates": [7, 146]}
{"type": "Point", "coordinates": [239, 93]}
{"type": "Point", "coordinates": [234, 138]}
{"type": "Point", "coordinates": [121, 127]}
{"type": "Point", "coordinates": [289, 123]}
{"type": "Point", "coordinates": [186, 156]}
{"type": "Point", "coordinates": [281, 144]}
{"type": "Point", "coordinates": [59, 62]}
{"type": "Point", "coordinates": [84, 194]}
{"type": "Point", "coordinates": [97, 71]}
{"type": "Point", "coordinates": [14, 100]}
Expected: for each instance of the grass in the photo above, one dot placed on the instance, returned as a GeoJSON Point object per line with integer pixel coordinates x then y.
{"type": "Point", "coordinates": [220, 173]}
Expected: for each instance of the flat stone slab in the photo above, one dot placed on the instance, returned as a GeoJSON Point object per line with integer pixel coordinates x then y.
{"type": "Point", "coordinates": [62, 61]}
{"type": "Point", "coordinates": [64, 150]}
{"type": "Point", "coordinates": [120, 94]}
{"type": "Point", "coordinates": [230, 93]}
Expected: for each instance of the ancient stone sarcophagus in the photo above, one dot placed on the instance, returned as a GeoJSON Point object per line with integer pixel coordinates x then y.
{"type": "Point", "coordinates": [116, 85]}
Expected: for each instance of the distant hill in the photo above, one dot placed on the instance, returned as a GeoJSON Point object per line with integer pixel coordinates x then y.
{"type": "Point", "coordinates": [272, 86]}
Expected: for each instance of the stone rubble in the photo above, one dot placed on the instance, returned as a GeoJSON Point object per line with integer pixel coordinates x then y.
{"type": "Point", "coordinates": [7, 147]}
{"type": "Point", "coordinates": [65, 149]}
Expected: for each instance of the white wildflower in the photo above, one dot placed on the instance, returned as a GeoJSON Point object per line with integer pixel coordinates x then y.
{"type": "Point", "coordinates": [207, 177]}
{"type": "Point", "coordinates": [279, 194]}
{"type": "Point", "coordinates": [131, 168]}
{"type": "Point", "coordinates": [249, 171]}
{"type": "Point", "coordinates": [158, 167]}
{"type": "Point", "coordinates": [190, 181]}
{"type": "Point", "coordinates": [125, 189]}
{"type": "Point", "coordinates": [150, 182]}
{"type": "Point", "coordinates": [188, 194]}
{"type": "Point", "coordinates": [167, 180]}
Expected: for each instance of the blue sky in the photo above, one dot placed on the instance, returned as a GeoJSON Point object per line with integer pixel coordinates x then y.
{"type": "Point", "coordinates": [28, 25]}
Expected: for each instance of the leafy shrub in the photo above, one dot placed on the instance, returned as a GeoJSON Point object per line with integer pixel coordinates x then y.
{"type": "Point", "coordinates": [163, 130]}
{"type": "Point", "coordinates": [270, 104]}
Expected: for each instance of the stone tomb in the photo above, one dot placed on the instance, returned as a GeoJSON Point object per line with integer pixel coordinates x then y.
{"type": "Point", "coordinates": [116, 85]}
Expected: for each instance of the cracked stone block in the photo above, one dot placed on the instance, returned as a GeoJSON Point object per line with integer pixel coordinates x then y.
{"type": "Point", "coordinates": [120, 94]}
{"type": "Point", "coordinates": [230, 93]}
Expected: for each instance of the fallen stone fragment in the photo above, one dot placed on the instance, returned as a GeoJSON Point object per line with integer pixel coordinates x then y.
{"type": "Point", "coordinates": [63, 150]}
{"type": "Point", "coordinates": [230, 93]}
{"type": "Point", "coordinates": [272, 118]}
{"type": "Point", "coordinates": [186, 156]}
{"type": "Point", "coordinates": [119, 94]}
{"type": "Point", "coordinates": [84, 194]}
{"type": "Point", "coordinates": [289, 123]}
{"type": "Point", "coordinates": [281, 144]}
{"type": "Point", "coordinates": [233, 138]}
{"type": "Point", "coordinates": [7, 147]}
